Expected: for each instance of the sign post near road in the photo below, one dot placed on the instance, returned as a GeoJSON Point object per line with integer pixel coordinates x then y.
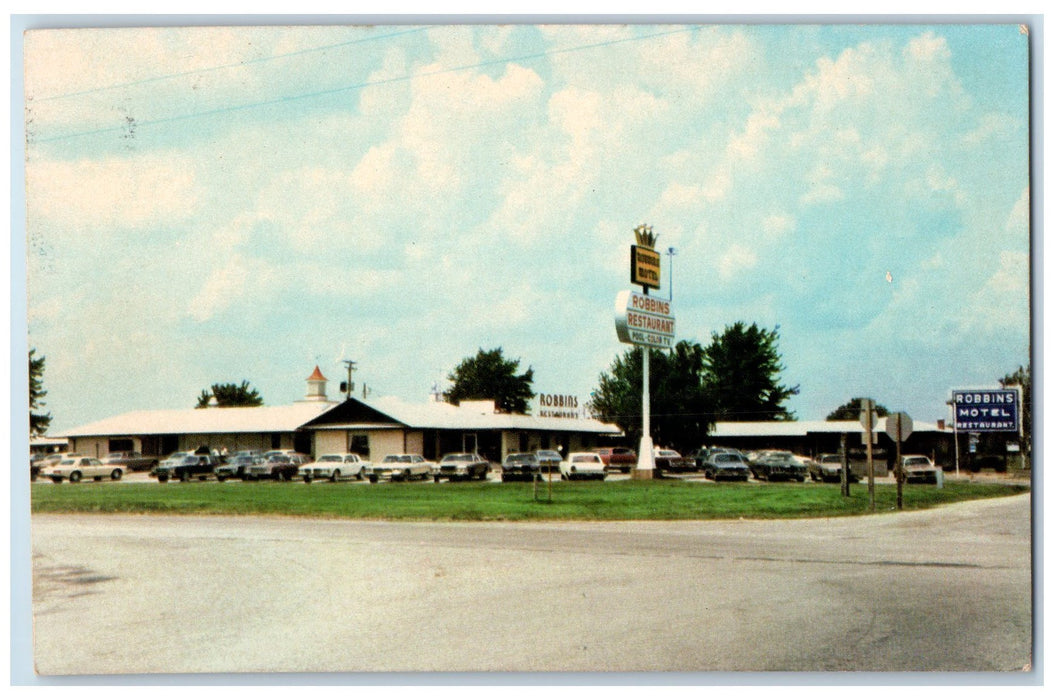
{"type": "Point", "coordinates": [646, 322]}
{"type": "Point", "coordinates": [898, 428]}
{"type": "Point", "coordinates": [867, 419]}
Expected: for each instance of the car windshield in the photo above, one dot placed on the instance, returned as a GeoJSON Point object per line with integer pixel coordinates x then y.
{"type": "Point", "coordinates": [397, 458]}
{"type": "Point", "coordinates": [831, 459]}
{"type": "Point", "coordinates": [549, 454]}
{"type": "Point", "coordinates": [725, 457]}
{"type": "Point", "coordinates": [520, 459]}
{"type": "Point", "coordinates": [463, 457]}
{"type": "Point", "coordinates": [585, 458]}
{"type": "Point", "coordinates": [330, 458]}
{"type": "Point", "coordinates": [916, 460]}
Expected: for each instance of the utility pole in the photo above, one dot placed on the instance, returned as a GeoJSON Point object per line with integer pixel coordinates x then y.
{"type": "Point", "coordinates": [349, 387]}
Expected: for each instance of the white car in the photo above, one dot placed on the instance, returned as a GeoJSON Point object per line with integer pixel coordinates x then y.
{"type": "Point", "coordinates": [400, 467]}
{"type": "Point", "coordinates": [335, 466]}
{"type": "Point", "coordinates": [77, 468]}
{"type": "Point", "coordinates": [918, 468]}
{"type": "Point", "coordinates": [582, 465]}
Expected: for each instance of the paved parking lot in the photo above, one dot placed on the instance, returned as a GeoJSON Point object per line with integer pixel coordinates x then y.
{"type": "Point", "coordinates": [947, 589]}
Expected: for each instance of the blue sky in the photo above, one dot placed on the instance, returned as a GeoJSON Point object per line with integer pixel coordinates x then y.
{"type": "Point", "coordinates": [217, 204]}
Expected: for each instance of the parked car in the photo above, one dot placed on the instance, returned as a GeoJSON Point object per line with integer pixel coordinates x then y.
{"type": "Point", "coordinates": [621, 458]}
{"type": "Point", "coordinates": [185, 466]}
{"type": "Point", "coordinates": [131, 461]}
{"type": "Point", "coordinates": [705, 453]}
{"type": "Point", "coordinates": [54, 458]}
{"type": "Point", "coordinates": [77, 468]}
{"type": "Point", "coordinates": [280, 465]}
{"type": "Point", "coordinates": [583, 465]}
{"type": "Point", "coordinates": [828, 467]}
{"type": "Point", "coordinates": [671, 461]}
{"type": "Point", "coordinates": [35, 462]}
{"type": "Point", "coordinates": [400, 467]}
{"type": "Point", "coordinates": [521, 466]}
{"type": "Point", "coordinates": [334, 466]}
{"type": "Point", "coordinates": [918, 468]}
{"type": "Point", "coordinates": [461, 465]}
{"type": "Point", "coordinates": [726, 465]}
{"type": "Point", "coordinates": [237, 466]}
{"type": "Point", "coordinates": [549, 460]}
{"type": "Point", "coordinates": [779, 465]}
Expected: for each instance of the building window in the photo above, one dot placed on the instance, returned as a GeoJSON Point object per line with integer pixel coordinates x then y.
{"type": "Point", "coordinates": [359, 444]}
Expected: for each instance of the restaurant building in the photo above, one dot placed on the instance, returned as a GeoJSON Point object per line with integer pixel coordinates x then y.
{"type": "Point", "coordinates": [316, 425]}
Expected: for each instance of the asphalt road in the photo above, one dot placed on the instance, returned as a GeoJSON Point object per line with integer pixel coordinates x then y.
{"type": "Point", "coordinates": [940, 590]}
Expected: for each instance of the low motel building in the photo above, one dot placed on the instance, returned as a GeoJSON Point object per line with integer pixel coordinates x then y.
{"type": "Point", "coordinates": [317, 425]}
{"type": "Point", "coordinates": [812, 438]}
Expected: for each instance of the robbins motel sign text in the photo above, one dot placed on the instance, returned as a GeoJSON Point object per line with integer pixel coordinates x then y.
{"type": "Point", "coordinates": [644, 320]}
{"type": "Point", "coordinates": [987, 411]}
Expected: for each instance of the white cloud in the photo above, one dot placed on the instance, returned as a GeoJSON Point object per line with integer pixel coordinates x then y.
{"type": "Point", "coordinates": [112, 193]}
{"type": "Point", "coordinates": [736, 261]}
{"type": "Point", "coordinates": [221, 289]}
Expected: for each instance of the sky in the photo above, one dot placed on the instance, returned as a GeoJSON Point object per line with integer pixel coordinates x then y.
{"type": "Point", "coordinates": [209, 205]}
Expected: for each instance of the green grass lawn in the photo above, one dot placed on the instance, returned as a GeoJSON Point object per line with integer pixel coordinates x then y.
{"type": "Point", "coordinates": [625, 500]}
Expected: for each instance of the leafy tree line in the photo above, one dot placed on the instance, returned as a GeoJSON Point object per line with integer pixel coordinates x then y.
{"type": "Point", "coordinates": [489, 375]}
{"type": "Point", "coordinates": [736, 377]}
{"type": "Point", "coordinates": [38, 422]}
{"type": "Point", "coordinates": [230, 395]}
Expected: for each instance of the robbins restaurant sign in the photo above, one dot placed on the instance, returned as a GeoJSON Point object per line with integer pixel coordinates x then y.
{"type": "Point", "coordinates": [644, 320]}
{"type": "Point", "coordinates": [987, 411]}
{"type": "Point", "coordinates": [557, 406]}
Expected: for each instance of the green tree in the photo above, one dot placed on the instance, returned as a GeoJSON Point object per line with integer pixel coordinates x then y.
{"type": "Point", "coordinates": [680, 410]}
{"type": "Point", "coordinates": [743, 366]}
{"type": "Point", "coordinates": [230, 395]}
{"type": "Point", "coordinates": [38, 422]}
{"type": "Point", "coordinates": [851, 410]}
{"type": "Point", "coordinates": [489, 375]}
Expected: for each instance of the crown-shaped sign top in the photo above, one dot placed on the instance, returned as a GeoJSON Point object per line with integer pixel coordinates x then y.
{"type": "Point", "coordinates": [645, 237]}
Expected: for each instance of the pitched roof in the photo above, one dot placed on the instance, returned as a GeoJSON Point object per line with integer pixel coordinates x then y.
{"type": "Point", "coordinates": [468, 416]}
{"type": "Point", "coordinates": [232, 419]}
{"type": "Point", "coordinates": [316, 375]}
{"type": "Point", "coordinates": [789, 428]}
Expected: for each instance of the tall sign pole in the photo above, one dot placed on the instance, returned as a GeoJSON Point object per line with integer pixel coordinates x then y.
{"type": "Point", "coordinates": [648, 322]}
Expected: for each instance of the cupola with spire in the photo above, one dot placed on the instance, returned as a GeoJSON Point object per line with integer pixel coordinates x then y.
{"type": "Point", "coordinates": [316, 386]}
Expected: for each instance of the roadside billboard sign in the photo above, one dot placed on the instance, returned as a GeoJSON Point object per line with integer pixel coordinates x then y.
{"type": "Point", "coordinates": [987, 410]}
{"type": "Point", "coordinates": [644, 320]}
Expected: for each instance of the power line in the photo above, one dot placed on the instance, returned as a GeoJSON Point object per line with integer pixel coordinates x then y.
{"type": "Point", "coordinates": [239, 64]}
{"type": "Point", "coordinates": [356, 86]}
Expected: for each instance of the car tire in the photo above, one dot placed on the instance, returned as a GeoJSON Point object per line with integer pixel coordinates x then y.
{"type": "Point", "coordinates": [373, 479]}
{"type": "Point", "coordinates": [56, 479]}
{"type": "Point", "coordinates": [361, 474]}
{"type": "Point", "coordinates": [435, 479]}
{"type": "Point", "coordinates": [116, 475]}
{"type": "Point", "coordinates": [162, 478]}
{"type": "Point", "coordinates": [220, 478]}
{"type": "Point", "coordinates": [335, 476]}
{"type": "Point", "coordinates": [75, 477]}
{"type": "Point", "coordinates": [307, 478]}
